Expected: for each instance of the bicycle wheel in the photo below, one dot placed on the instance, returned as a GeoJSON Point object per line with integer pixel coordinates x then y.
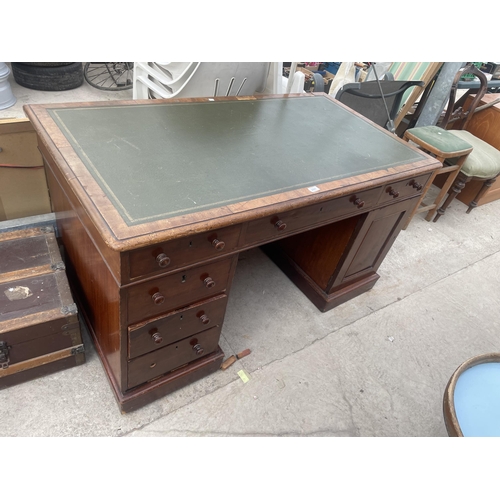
{"type": "Point", "coordinates": [110, 75]}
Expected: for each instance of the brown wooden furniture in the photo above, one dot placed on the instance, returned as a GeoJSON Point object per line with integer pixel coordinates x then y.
{"type": "Point", "coordinates": [485, 125]}
{"type": "Point", "coordinates": [39, 327]}
{"type": "Point", "coordinates": [23, 186]}
{"type": "Point", "coordinates": [447, 148]}
{"type": "Point", "coordinates": [412, 73]}
{"type": "Point", "coordinates": [156, 199]}
{"type": "Point", "coordinates": [482, 163]}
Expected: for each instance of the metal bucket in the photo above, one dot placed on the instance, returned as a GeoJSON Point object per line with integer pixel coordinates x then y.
{"type": "Point", "coordinates": [7, 99]}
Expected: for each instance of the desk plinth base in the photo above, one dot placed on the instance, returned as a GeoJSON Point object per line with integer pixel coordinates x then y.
{"type": "Point", "coordinates": [322, 300]}
{"type": "Point", "coordinates": [161, 386]}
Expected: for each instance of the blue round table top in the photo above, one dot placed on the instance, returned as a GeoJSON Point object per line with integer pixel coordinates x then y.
{"type": "Point", "coordinates": [477, 400]}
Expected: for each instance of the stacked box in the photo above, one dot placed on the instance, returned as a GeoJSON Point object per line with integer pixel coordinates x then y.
{"type": "Point", "coordinates": [39, 327]}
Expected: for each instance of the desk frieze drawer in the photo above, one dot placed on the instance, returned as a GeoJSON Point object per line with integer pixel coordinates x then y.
{"type": "Point", "coordinates": [161, 295]}
{"type": "Point", "coordinates": [277, 226]}
{"type": "Point", "coordinates": [161, 361]}
{"type": "Point", "coordinates": [182, 252]}
{"type": "Point", "coordinates": [175, 326]}
{"type": "Point", "coordinates": [404, 189]}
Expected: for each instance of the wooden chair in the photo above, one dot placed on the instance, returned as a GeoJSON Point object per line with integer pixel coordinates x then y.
{"type": "Point", "coordinates": [446, 147]}
{"type": "Point", "coordinates": [453, 147]}
{"type": "Point", "coordinates": [424, 71]}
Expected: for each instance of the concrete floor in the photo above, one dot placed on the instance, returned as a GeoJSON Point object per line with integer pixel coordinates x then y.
{"type": "Point", "coordinates": [375, 366]}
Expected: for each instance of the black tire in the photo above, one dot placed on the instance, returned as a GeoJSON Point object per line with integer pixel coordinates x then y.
{"type": "Point", "coordinates": [319, 83]}
{"type": "Point", "coordinates": [48, 78]}
{"type": "Point", "coordinates": [46, 64]}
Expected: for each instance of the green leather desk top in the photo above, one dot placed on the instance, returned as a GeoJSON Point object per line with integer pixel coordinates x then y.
{"type": "Point", "coordinates": [156, 161]}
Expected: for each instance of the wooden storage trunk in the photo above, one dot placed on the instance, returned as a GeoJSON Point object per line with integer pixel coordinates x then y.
{"type": "Point", "coordinates": [39, 327]}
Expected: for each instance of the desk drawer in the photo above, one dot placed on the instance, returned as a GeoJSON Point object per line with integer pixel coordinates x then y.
{"type": "Point", "coordinates": [279, 225]}
{"type": "Point", "coordinates": [173, 356]}
{"type": "Point", "coordinates": [404, 189]}
{"type": "Point", "coordinates": [161, 295]}
{"type": "Point", "coordinates": [182, 252]}
{"type": "Point", "coordinates": [172, 327]}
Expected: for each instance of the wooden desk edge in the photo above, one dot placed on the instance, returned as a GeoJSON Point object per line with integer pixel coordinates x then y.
{"type": "Point", "coordinates": [118, 236]}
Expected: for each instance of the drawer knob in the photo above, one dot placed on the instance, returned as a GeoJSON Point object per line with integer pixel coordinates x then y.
{"type": "Point", "coordinates": [414, 184]}
{"type": "Point", "coordinates": [163, 260]}
{"type": "Point", "coordinates": [204, 319]}
{"type": "Point", "coordinates": [280, 225]}
{"type": "Point", "coordinates": [157, 338]}
{"type": "Point", "coordinates": [209, 282]}
{"type": "Point", "coordinates": [158, 298]}
{"type": "Point", "coordinates": [217, 244]}
{"type": "Point", "coordinates": [358, 202]}
{"type": "Point", "coordinates": [198, 349]}
{"type": "Point", "coordinates": [392, 192]}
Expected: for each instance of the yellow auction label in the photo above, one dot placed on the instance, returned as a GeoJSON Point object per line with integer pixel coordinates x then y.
{"type": "Point", "coordinates": [243, 376]}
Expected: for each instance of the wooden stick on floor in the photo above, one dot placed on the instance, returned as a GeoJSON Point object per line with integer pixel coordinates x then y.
{"type": "Point", "coordinates": [232, 359]}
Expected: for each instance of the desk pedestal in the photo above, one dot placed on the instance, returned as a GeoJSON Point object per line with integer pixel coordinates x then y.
{"type": "Point", "coordinates": [337, 262]}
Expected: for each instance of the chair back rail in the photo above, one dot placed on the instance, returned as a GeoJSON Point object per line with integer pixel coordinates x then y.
{"type": "Point", "coordinates": [459, 113]}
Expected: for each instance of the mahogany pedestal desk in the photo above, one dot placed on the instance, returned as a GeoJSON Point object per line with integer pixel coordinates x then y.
{"type": "Point", "coordinates": [155, 200]}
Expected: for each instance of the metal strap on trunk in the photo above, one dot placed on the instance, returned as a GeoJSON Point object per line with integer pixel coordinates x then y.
{"type": "Point", "coordinates": [42, 360]}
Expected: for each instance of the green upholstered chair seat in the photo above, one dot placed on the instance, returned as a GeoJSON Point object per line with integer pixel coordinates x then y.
{"type": "Point", "coordinates": [479, 161]}
{"type": "Point", "coordinates": [484, 161]}
{"type": "Point", "coordinates": [439, 139]}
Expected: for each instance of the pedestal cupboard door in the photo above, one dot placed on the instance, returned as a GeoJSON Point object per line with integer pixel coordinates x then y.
{"type": "Point", "coordinates": [375, 238]}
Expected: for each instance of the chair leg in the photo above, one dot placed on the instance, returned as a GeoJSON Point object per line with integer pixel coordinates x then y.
{"type": "Point", "coordinates": [487, 184]}
{"type": "Point", "coordinates": [452, 175]}
{"type": "Point", "coordinates": [455, 190]}
{"type": "Point", "coordinates": [446, 186]}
